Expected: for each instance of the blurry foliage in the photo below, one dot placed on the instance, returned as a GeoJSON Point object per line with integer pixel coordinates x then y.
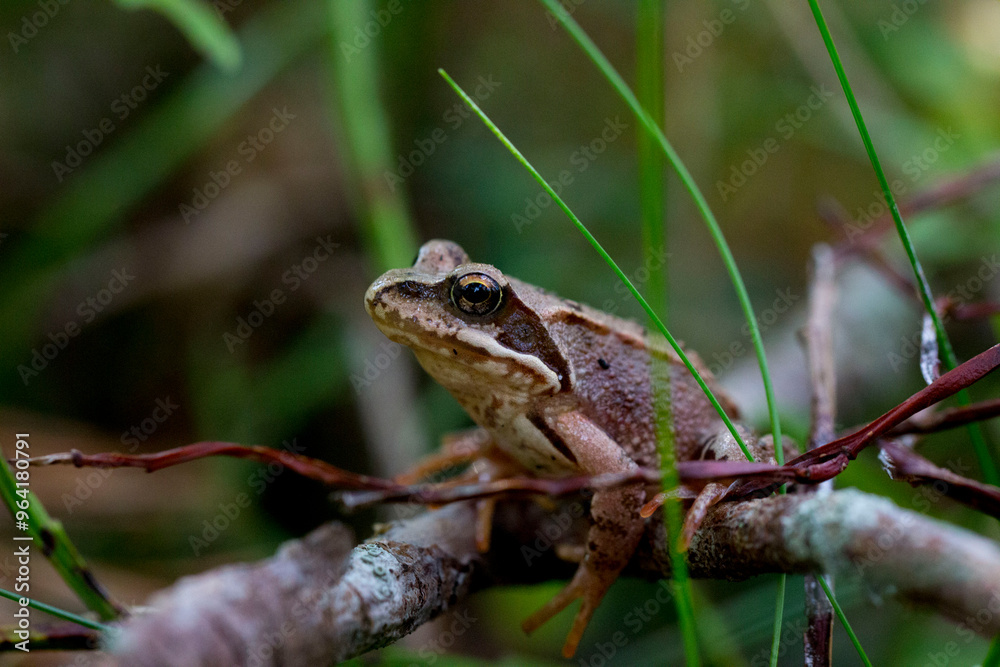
{"type": "Point", "coordinates": [195, 134]}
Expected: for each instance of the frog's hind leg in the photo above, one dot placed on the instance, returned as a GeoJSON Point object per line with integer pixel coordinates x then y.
{"type": "Point", "coordinates": [610, 543]}
{"type": "Point", "coordinates": [615, 529]}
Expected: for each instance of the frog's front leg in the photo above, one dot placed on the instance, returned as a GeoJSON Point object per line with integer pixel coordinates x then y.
{"type": "Point", "coordinates": [473, 446]}
{"type": "Point", "coordinates": [456, 449]}
{"type": "Point", "coordinates": [616, 526]}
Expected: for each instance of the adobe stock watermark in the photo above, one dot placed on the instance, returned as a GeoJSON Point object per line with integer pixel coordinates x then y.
{"type": "Point", "coordinates": [791, 635]}
{"type": "Point", "coordinates": [970, 627]}
{"type": "Point", "coordinates": [373, 367]}
{"type": "Point", "coordinates": [87, 310]}
{"type": "Point", "coordinates": [918, 163]}
{"type": "Point", "coordinates": [223, 7]}
{"type": "Point", "coordinates": [262, 650]}
{"type": "Point", "coordinates": [364, 34]}
{"type": "Point", "coordinates": [121, 107]}
{"type": "Point", "coordinates": [697, 43]}
{"type": "Point", "coordinates": [783, 301]}
{"type": "Point", "coordinates": [32, 23]}
{"type": "Point", "coordinates": [570, 7]}
{"type": "Point", "coordinates": [293, 277]}
{"type": "Point", "coordinates": [786, 127]}
{"type": "Point", "coordinates": [635, 620]}
{"type": "Point", "coordinates": [424, 147]}
{"type": "Point", "coordinates": [228, 512]}
{"type": "Point", "coordinates": [900, 15]}
{"type": "Point", "coordinates": [92, 479]}
{"type": "Point", "coordinates": [555, 527]}
{"type": "Point", "coordinates": [867, 215]}
{"type": "Point", "coordinates": [581, 159]}
{"type": "Point", "coordinates": [916, 166]}
{"type": "Point", "coordinates": [459, 624]}
{"type": "Point", "coordinates": [959, 296]}
{"type": "Point", "coordinates": [247, 151]}
{"type": "Point", "coordinates": [655, 259]}
{"type": "Point", "coordinates": [967, 629]}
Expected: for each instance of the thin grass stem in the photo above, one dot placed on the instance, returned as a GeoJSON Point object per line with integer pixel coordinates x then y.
{"type": "Point", "coordinates": [843, 620]}
{"type": "Point", "coordinates": [681, 581]}
{"type": "Point", "coordinates": [49, 537]}
{"type": "Point", "coordinates": [779, 612]}
{"type": "Point", "coordinates": [604, 255]}
{"type": "Point", "coordinates": [650, 48]}
{"type": "Point", "coordinates": [201, 26]}
{"type": "Point", "coordinates": [57, 612]}
{"type": "Point", "coordinates": [602, 63]}
{"type": "Point", "coordinates": [380, 202]}
{"type": "Point", "coordinates": [986, 462]}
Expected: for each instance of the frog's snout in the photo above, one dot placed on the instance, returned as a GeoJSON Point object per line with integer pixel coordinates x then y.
{"type": "Point", "coordinates": [399, 289]}
{"type": "Point", "coordinates": [374, 294]}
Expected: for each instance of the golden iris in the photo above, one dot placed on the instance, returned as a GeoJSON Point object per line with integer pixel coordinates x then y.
{"type": "Point", "coordinates": [476, 294]}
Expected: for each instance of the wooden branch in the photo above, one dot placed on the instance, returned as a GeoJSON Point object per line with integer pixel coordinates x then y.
{"type": "Point", "coordinates": [317, 601]}
{"type": "Point", "coordinates": [818, 637]}
{"type": "Point", "coordinates": [920, 560]}
{"type": "Point", "coordinates": [819, 347]}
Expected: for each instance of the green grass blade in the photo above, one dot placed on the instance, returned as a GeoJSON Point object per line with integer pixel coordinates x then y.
{"type": "Point", "coordinates": [681, 580]}
{"type": "Point", "coordinates": [588, 46]}
{"type": "Point", "coordinates": [650, 47]}
{"type": "Point", "coordinates": [100, 194]}
{"type": "Point", "coordinates": [602, 252]}
{"type": "Point", "coordinates": [843, 620]}
{"type": "Point", "coordinates": [57, 612]}
{"type": "Point", "coordinates": [986, 462]}
{"type": "Point", "coordinates": [201, 25]}
{"type": "Point", "coordinates": [51, 540]}
{"type": "Point", "coordinates": [381, 202]}
{"type": "Point", "coordinates": [779, 612]}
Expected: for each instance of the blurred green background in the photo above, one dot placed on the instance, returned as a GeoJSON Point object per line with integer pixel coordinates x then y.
{"type": "Point", "coordinates": [186, 242]}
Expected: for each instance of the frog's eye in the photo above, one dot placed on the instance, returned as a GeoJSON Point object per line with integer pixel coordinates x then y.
{"type": "Point", "coordinates": [476, 294]}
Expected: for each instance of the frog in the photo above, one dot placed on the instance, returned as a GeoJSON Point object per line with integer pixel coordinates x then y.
{"type": "Point", "coordinates": [560, 389]}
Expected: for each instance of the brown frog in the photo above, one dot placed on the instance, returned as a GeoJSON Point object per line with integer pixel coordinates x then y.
{"type": "Point", "coordinates": [559, 387]}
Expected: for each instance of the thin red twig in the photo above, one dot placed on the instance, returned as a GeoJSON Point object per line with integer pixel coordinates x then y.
{"type": "Point", "coordinates": [817, 465]}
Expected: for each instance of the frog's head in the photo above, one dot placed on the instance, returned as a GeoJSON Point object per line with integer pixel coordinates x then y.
{"type": "Point", "coordinates": [467, 324]}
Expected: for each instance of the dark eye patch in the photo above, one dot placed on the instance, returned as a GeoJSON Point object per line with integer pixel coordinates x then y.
{"type": "Point", "coordinates": [416, 290]}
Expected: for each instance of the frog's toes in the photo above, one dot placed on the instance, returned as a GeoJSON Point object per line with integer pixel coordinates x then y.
{"type": "Point", "coordinates": [485, 509]}
{"type": "Point", "coordinates": [588, 585]}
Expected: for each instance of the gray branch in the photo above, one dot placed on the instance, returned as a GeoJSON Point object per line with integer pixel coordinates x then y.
{"type": "Point", "coordinates": [318, 601]}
